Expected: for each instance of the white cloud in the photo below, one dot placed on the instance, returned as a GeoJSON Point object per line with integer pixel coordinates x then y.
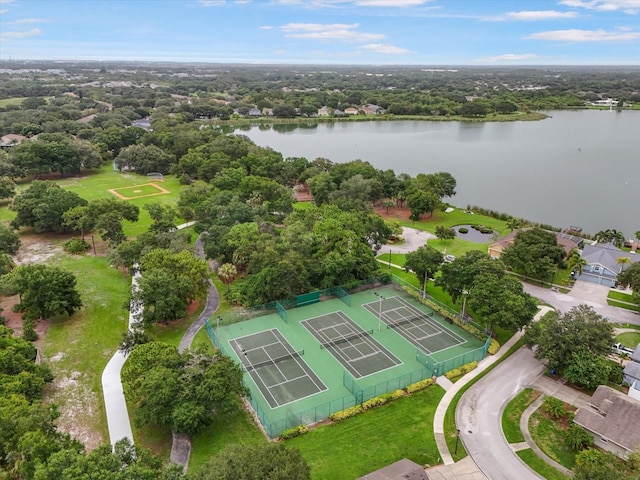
{"type": "Point", "coordinates": [385, 49]}
{"type": "Point", "coordinates": [584, 36]}
{"type": "Point", "coordinates": [34, 32]}
{"type": "Point", "coordinates": [6, 2]}
{"type": "Point", "coordinates": [28, 20]}
{"type": "Point", "coordinates": [534, 15]}
{"type": "Point", "coordinates": [511, 57]}
{"type": "Point", "coordinates": [266, 27]}
{"type": "Point", "coordinates": [212, 3]}
{"type": "Point", "coordinates": [2, 12]}
{"type": "Point", "coordinates": [631, 7]}
{"type": "Point", "coordinates": [357, 3]}
{"type": "Point", "coordinates": [333, 31]}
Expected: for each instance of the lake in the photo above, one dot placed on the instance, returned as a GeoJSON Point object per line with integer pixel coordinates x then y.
{"type": "Point", "coordinates": [575, 168]}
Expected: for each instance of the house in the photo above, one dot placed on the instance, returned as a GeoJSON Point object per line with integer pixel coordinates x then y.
{"type": "Point", "coordinates": [401, 470]}
{"type": "Point", "coordinates": [254, 112]}
{"type": "Point", "coordinates": [568, 242]}
{"type": "Point", "coordinates": [371, 109]}
{"type": "Point", "coordinates": [602, 263]}
{"type": "Point", "coordinates": [11, 140]}
{"type": "Point", "coordinates": [608, 418]}
{"type": "Point", "coordinates": [351, 111]}
{"type": "Point", "coordinates": [632, 368]}
{"type": "Point", "coordinates": [323, 111]}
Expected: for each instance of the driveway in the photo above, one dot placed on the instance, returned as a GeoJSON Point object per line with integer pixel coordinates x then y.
{"type": "Point", "coordinates": [479, 413]}
{"type": "Point", "coordinates": [413, 239]}
{"type": "Point", "coordinates": [590, 292]}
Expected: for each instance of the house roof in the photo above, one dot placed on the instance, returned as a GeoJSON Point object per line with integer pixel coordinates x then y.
{"type": "Point", "coordinates": [401, 470]}
{"type": "Point", "coordinates": [635, 356]}
{"type": "Point", "coordinates": [632, 369]}
{"type": "Point", "coordinates": [504, 242]}
{"type": "Point", "coordinates": [606, 254]}
{"type": "Point", "coordinates": [609, 415]}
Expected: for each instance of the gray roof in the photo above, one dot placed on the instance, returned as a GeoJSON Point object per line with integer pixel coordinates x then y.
{"type": "Point", "coordinates": [632, 369]}
{"type": "Point", "coordinates": [635, 356]}
{"type": "Point", "coordinates": [610, 415]}
{"type": "Point", "coordinates": [607, 255]}
{"type": "Point", "coordinates": [401, 470]}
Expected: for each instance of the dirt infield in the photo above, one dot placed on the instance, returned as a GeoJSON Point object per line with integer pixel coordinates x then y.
{"type": "Point", "coordinates": [116, 191]}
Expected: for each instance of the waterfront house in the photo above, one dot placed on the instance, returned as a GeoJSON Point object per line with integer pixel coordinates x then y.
{"type": "Point", "coordinates": [602, 263]}
{"type": "Point", "coordinates": [632, 368]}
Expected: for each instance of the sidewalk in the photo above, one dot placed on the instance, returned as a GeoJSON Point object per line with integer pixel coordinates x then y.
{"type": "Point", "coordinates": [438, 421]}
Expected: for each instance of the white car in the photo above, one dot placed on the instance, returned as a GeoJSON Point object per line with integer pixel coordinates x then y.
{"type": "Point", "coordinates": [449, 258]}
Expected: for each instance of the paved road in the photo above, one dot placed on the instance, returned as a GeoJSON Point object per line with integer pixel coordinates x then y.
{"type": "Point", "coordinates": [479, 412]}
{"type": "Point", "coordinates": [564, 303]}
{"type": "Point", "coordinates": [413, 239]}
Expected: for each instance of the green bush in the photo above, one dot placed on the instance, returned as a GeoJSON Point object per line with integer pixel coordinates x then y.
{"type": "Point", "coordinates": [616, 373]}
{"type": "Point", "coordinates": [554, 407]}
{"type": "Point", "coordinates": [464, 369]}
{"type": "Point", "coordinates": [76, 246]}
{"type": "Point", "coordinates": [494, 346]}
{"type": "Point", "coordinates": [294, 432]}
{"type": "Point", "coordinates": [382, 399]}
{"type": "Point", "coordinates": [347, 413]}
{"type": "Point", "coordinates": [421, 385]}
{"type": "Point", "coordinates": [463, 230]}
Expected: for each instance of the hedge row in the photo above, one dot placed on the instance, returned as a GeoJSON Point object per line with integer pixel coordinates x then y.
{"type": "Point", "coordinates": [458, 372]}
{"type": "Point", "coordinates": [421, 385]}
{"type": "Point", "coordinates": [294, 432]}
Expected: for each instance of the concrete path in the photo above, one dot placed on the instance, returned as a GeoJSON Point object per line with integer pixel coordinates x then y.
{"type": "Point", "coordinates": [114, 401]}
{"type": "Point", "coordinates": [465, 469]}
{"type": "Point", "coordinates": [181, 444]}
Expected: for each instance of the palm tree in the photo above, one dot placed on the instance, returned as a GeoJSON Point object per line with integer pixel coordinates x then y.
{"type": "Point", "coordinates": [227, 273]}
{"type": "Point", "coordinates": [514, 223]}
{"type": "Point", "coordinates": [622, 261]}
{"type": "Point", "coordinates": [576, 262]}
{"type": "Point", "coordinates": [610, 235]}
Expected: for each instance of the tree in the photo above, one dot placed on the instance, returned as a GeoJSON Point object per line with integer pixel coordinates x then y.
{"type": "Point", "coordinates": [182, 391]}
{"type": "Point", "coordinates": [424, 262]}
{"type": "Point", "coordinates": [499, 300]}
{"type": "Point", "coordinates": [593, 464]}
{"type": "Point", "coordinates": [422, 202]}
{"type": "Point", "coordinates": [9, 241]}
{"type": "Point", "coordinates": [535, 253]}
{"type": "Point", "coordinates": [623, 261]}
{"type": "Point", "coordinates": [387, 204]}
{"type": "Point", "coordinates": [631, 278]}
{"type": "Point", "coordinates": [556, 336]}
{"type": "Point", "coordinates": [577, 437]}
{"type": "Point", "coordinates": [43, 205]}
{"type": "Point", "coordinates": [144, 159]}
{"type": "Point", "coordinates": [610, 235]}
{"type": "Point", "coordinates": [275, 461]}
{"type": "Point", "coordinates": [44, 291]}
{"type": "Point", "coordinates": [514, 223]}
{"type": "Point", "coordinates": [443, 233]}
{"type": "Point", "coordinates": [460, 275]}
{"type": "Point", "coordinates": [7, 187]}
{"type": "Point", "coordinates": [587, 370]}
{"type": "Point", "coordinates": [227, 274]}
{"type": "Point", "coordinates": [576, 262]}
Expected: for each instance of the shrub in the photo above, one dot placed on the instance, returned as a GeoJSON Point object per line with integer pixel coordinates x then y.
{"type": "Point", "coordinates": [294, 432]}
{"type": "Point", "coordinates": [76, 246]}
{"type": "Point", "coordinates": [382, 399]}
{"type": "Point", "coordinates": [616, 374]}
{"type": "Point", "coordinates": [463, 230]}
{"type": "Point", "coordinates": [185, 179]}
{"type": "Point", "coordinates": [554, 407]}
{"type": "Point", "coordinates": [464, 369]}
{"type": "Point", "coordinates": [494, 346]}
{"type": "Point", "coordinates": [421, 385]}
{"type": "Point", "coordinates": [577, 437]}
{"type": "Point", "coordinates": [347, 413]}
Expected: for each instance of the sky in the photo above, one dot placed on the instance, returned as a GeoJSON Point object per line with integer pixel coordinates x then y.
{"type": "Point", "coordinates": [333, 32]}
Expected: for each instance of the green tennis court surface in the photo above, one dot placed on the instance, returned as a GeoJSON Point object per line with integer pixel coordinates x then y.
{"type": "Point", "coordinates": [358, 352]}
{"type": "Point", "coordinates": [276, 368]}
{"type": "Point", "coordinates": [320, 353]}
{"type": "Point", "coordinates": [414, 324]}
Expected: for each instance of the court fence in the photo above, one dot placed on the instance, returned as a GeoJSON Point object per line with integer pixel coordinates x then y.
{"type": "Point", "coordinates": [440, 368]}
{"type": "Point", "coordinates": [362, 394]}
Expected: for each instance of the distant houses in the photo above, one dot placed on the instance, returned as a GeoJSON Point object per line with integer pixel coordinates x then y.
{"type": "Point", "coordinates": [568, 242]}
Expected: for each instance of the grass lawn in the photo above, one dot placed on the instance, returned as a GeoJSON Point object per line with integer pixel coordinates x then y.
{"type": "Point", "coordinates": [512, 413]}
{"type": "Point", "coordinates": [458, 217]}
{"type": "Point", "coordinates": [625, 297]}
{"type": "Point", "coordinates": [529, 457]}
{"type": "Point", "coordinates": [548, 433]}
{"type": "Point", "coordinates": [97, 183]}
{"type": "Point", "coordinates": [79, 347]}
{"type": "Point", "coordinates": [371, 440]}
{"type": "Point", "coordinates": [12, 101]}
{"type": "Point", "coordinates": [629, 339]}
{"type": "Point", "coordinates": [303, 205]}
{"type": "Point", "coordinates": [396, 258]}
{"type": "Point", "coordinates": [615, 303]}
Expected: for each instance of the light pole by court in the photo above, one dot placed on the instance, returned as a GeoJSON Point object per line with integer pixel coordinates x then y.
{"type": "Point", "coordinates": [464, 302]}
{"type": "Point", "coordinates": [379, 310]}
{"type": "Point", "coordinates": [457, 438]}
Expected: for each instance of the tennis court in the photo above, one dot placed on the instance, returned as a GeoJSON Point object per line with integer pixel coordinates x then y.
{"type": "Point", "coordinates": [414, 324]}
{"type": "Point", "coordinates": [276, 367]}
{"type": "Point", "coordinates": [358, 352]}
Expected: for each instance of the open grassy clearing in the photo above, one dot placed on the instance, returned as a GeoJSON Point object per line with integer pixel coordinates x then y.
{"type": "Point", "coordinates": [529, 457]}
{"type": "Point", "coordinates": [629, 339]}
{"type": "Point", "coordinates": [79, 347]}
{"type": "Point", "coordinates": [457, 217]}
{"type": "Point", "coordinates": [548, 433]}
{"type": "Point", "coordinates": [371, 440]}
{"type": "Point", "coordinates": [512, 413]}
{"type": "Point", "coordinates": [12, 101]}
{"type": "Point", "coordinates": [624, 297]}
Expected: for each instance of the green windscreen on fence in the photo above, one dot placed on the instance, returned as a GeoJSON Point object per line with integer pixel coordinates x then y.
{"type": "Point", "coordinates": [281, 311]}
{"type": "Point", "coordinates": [343, 295]}
{"type": "Point", "coordinates": [307, 299]}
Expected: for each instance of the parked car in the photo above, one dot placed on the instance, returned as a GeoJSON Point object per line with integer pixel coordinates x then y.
{"type": "Point", "coordinates": [449, 258]}
{"type": "Point", "coordinates": [621, 349]}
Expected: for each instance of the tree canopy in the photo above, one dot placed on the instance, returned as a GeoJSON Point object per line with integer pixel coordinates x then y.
{"type": "Point", "coordinates": [535, 253]}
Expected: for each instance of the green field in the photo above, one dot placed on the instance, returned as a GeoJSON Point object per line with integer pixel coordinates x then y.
{"type": "Point", "coordinates": [629, 339]}
{"type": "Point", "coordinates": [12, 101]}
{"type": "Point", "coordinates": [529, 457]}
{"type": "Point", "coordinates": [512, 413]}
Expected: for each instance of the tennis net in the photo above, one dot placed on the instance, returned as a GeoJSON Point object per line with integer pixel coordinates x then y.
{"type": "Point", "coordinates": [273, 361]}
{"type": "Point", "coordinates": [346, 338]}
{"type": "Point", "coordinates": [404, 321]}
